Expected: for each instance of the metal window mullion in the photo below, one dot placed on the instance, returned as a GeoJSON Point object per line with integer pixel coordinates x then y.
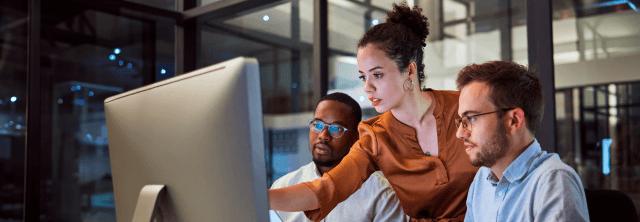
{"type": "Point", "coordinates": [33, 145]}
{"type": "Point", "coordinates": [320, 48]}
{"type": "Point", "coordinates": [540, 50]}
{"type": "Point", "coordinates": [185, 39]}
{"type": "Point", "coordinates": [296, 59]}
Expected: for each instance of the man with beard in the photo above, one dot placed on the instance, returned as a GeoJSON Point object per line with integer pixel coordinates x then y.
{"type": "Point", "coordinates": [331, 133]}
{"type": "Point", "coordinates": [500, 108]}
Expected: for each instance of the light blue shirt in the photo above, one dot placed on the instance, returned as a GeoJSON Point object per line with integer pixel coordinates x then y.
{"type": "Point", "coordinates": [536, 186]}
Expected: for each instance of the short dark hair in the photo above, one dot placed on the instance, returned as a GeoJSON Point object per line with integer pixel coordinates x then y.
{"type": "Point", "coordinates": [356, 112]}
{"type": "Point", "coordinates": [401, 37]}
{"type": "Point", "coordinates": [512, 85]}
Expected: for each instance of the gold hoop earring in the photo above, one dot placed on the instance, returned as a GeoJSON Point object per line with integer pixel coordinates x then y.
{"type": "Point", "coordinates": [408, 85]}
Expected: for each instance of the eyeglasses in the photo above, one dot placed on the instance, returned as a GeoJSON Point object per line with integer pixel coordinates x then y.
{"type": "Point", "coordinates": [335, 130]}
{"type": "Point", "coordinates": [467, 121]}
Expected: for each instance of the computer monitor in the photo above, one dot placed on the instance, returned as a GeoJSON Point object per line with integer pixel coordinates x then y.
{"type": "Point", "coordinates": [200, 134]}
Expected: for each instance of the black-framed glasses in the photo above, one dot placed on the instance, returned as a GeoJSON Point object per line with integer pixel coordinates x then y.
{"type": "Point", "coordinates": [467, 121]}
{"type": "Point", "coordinates": [335, 130]}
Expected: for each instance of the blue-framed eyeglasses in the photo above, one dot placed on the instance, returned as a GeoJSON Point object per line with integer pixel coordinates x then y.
{"type": "Point", "coordinates": [335, 130]}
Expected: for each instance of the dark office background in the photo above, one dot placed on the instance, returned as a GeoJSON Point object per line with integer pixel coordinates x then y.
{"type": "Point", "coordinates": [59, 59]}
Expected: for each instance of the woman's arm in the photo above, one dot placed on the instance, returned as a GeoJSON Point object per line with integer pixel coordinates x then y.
{"type": "Point", "coordinates": [293, 198]}
{"type": "Point", "coordinates": [318, 197]}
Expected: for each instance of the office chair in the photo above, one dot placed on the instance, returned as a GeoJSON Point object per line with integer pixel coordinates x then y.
{"type": "Point", "coordinates": [610, 205]}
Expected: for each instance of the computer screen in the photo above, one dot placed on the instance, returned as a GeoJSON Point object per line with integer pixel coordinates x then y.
{"type": "Point", "coordinates": [200, 134]}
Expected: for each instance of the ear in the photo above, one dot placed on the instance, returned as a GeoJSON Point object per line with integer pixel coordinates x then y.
{"type": "Point", "coordinates": [413, 70]}
{"type": "Point", "coordinates": [516, 119]}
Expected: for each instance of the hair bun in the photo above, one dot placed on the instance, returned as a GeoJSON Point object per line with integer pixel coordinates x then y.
{"type": "Point", "coordinates": [411, 18]}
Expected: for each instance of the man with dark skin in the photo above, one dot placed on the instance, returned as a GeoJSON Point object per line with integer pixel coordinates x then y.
{"type": "Point", "coordinates": [331, 133]}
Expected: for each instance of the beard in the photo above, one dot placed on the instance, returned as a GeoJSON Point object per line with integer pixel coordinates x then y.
{"type": "Point", "coordinates": [493, 150]}
{"type": "Point", "coordinates": [325, 163]}
{"type": "Point", "coordinates": [329, 160]}
{"type": "Point", "coordinates": [332, 159]}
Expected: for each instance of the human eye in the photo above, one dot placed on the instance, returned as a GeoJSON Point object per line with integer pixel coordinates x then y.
{"type": "Point", "coordinates": [334, 128]}
{"type": "Point", "coordinates": [362, 78]}
{"type": "Point", "coordinates": [318, 125]}
{"type": "Point", "coordinates": [471, 119]}
{"type": "Point", "coordinates": [465, 122]}
{"type": "Point", "coordinates": [377, 75]}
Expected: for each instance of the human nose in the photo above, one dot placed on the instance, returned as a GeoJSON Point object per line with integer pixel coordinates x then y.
{"type": "Point", "coordinates": [324, 134]}
{"type": "Point", "coordinates": [461, 132]}
{"type": "Point", "coordinates": [368, 86]}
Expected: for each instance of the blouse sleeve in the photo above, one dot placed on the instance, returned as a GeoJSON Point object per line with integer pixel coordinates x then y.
{"type": "Point", "coordinates": [344, 179]}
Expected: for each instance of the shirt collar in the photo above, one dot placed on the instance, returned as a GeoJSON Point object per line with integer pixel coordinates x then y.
{"type": "Point", "coordinates": [491, 177]}
{"type": "Point", "coordinates": [438, 101]}
{"type": "Point", "coordinates": [312, 168]}
{"type": "Point", "coordinates": [520, 166]}
{"type": "Point", "coordinates": [405, 131]}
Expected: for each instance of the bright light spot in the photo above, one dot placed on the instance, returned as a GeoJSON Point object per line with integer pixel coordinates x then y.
{"type": "Point", "coordinates": [632, 6]}
{"type": "Point", "coordinates": [361, 98]}
{"type": "Point", "coordinates": [88, 136]}
{"type": "Point", "coordinates": [91, 93]}
{"type": "Point", "coordinates": [112, 57]}
{"type": "Point", "coordinates": [13, 99]}
{"type": "Point", "coordinates": [75, 88]}
{"type": "Point", "coordinates": [265, 18]}
{"type": "Point", "coordinates": [117, 51]}
{"type": "Point", "coordinates": [606, 153]}
{"type": "Point", "coordinates": [375, 22]}
{"type": "Point", "coordinates": [163, 71]}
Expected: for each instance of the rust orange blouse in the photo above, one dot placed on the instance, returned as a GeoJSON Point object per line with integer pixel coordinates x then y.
{"type": "Point", "coordinates": [429, 188]}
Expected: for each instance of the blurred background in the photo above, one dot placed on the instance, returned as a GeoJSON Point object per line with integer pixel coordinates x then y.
{"type": "Point", "coordinates": [59, 60]}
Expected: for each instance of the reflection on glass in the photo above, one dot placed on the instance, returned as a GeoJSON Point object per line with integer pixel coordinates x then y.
{"type": "Point", "coordinates": [13, 66]}
{"type": "Point", "coordinates": [99, 56]}
{"type": "Point", "coordinates": [163, 4]}
{"type": "Point", "coordinates": [585, 30]}
{"type": "Point", "coordinates": [472, 33]}
{"type": "Point", "coordinates": [384, 4]}
{"type": "Point", "coordinates": [280, 37]}
{"type": "Point", "coordinates": [275, 21]}
{"type": "Point", "coordinates": [613, 118]}
{"type": "Point", "coordinates": [463, 32]}
{"type": "Point", "coordinates": [347, 23]}
{"type": "Point", "coordinates": [596, 49]}
{"type": "Point", "coordinates": [455, 10]}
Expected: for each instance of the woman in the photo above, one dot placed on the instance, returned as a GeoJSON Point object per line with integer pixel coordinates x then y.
{"type": "Point", "coordinates": [412, 142]}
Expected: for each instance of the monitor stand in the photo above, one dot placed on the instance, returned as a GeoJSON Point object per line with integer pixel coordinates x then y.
{"type": "Point", "coordinates": [151, 204]}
